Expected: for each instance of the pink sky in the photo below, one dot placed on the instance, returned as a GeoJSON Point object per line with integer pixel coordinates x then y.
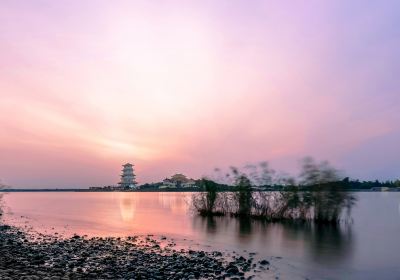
{"type": "Point", "coordinates": [88, 85]}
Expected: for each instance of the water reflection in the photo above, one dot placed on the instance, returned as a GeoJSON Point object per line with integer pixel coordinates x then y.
{"type": "Point", "coordinates": [399, 208]}
{"type": "Point", "coordinates": [325, 243]}
{"type": "Point", "coordinates": [245, 227]}
{"type": "Point", "coordinates": [177, 203]}
{"type": "Point", "coordinates": [321, 243]}
{"type": "Point", "coordinates": [127, 206]}
{"type": "Point", "coordinates": [211, 224]}
{"type": "Point", "coordinates": [329, 243]}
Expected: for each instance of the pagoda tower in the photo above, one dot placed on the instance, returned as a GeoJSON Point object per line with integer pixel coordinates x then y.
{"type": "Point", "coordinates": [128, 177]}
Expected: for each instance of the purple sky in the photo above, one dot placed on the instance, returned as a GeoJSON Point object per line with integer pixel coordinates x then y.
{"type": "Point", "coordinates": [186, 86]}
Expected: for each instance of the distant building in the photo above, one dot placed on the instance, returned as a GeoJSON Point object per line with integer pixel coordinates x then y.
{"type": "Point", "coordinates": [128, 177]}
{"type": "Point", "coordinates": [178, 181]}
{"type": "Point", "coordinates": [384, 189]}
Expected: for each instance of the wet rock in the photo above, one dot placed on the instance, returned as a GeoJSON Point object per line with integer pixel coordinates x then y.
{"type": "Point", "coordinates": [232, 269]}
{"type": "Point", "coordinates": [25, 256]}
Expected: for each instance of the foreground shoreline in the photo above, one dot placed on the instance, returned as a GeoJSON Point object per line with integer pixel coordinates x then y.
{"type": "Point", "coordinates": [37, 256]}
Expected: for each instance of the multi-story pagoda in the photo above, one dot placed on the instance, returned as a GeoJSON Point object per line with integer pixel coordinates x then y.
{"type": "Point", "coordinates": [128, 177]}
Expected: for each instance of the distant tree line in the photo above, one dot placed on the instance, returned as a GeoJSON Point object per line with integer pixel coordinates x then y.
{"type": "Point", "coordinates": [262, 177]}
{"type": "Point", "coordinates": [367, 185]}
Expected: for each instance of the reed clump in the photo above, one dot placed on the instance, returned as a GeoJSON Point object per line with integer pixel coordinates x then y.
{"type": "Point", "coordinates": [317, 195]}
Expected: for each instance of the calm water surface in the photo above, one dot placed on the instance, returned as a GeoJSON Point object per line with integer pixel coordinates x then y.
{"type": "Point", "coordinates": [367, 248]}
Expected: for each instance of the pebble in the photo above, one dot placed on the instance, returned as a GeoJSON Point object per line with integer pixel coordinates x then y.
{"type": "Point", "coordinates": [29, 256]}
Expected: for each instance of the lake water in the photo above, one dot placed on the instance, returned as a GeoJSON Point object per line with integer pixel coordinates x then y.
{"type": "Point", "coordinates": [366, 248]}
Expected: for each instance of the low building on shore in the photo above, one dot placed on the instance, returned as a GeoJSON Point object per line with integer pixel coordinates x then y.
{"type": "Point", "coordinates": [178, 181]}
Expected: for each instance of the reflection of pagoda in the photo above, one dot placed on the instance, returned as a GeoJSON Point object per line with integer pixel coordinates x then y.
{"type": "Point", "coordinates": [128, 177]}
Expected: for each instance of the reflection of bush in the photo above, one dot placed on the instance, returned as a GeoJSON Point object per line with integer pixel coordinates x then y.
{"type": "Point", "coordinates": [319, 195]}
{"type": "Point", "coordinates": [1, 204]}
{"type": "Point", "coordinates": [2, 187]}
{"type": "Point", "coordinates": [324, 243]}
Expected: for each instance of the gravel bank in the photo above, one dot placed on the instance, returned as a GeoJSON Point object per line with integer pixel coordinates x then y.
{"type": "Point", "coordinates": [35, 256]}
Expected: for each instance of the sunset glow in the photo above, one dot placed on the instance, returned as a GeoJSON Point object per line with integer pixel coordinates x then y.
{"type": "Point", "coordinates": [172, 87]}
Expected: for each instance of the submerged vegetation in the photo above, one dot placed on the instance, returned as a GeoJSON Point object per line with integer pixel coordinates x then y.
{"type": "Point", "coordinates": [318, 194]}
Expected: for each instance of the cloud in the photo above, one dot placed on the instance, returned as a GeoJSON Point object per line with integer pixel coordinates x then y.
{"type": "Point", "coordinates": [93, 85]}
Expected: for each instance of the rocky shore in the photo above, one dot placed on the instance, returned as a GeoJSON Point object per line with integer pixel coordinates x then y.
{"type": "Point", "coordinates": [37, 256]}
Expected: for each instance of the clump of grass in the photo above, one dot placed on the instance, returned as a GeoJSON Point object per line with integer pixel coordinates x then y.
{"type": "Point", "coordinates": [243, 194]}
{"type": "Point", "coordinates": [205, 202]}
{"type": "Point", "coordinates": [318, 196]}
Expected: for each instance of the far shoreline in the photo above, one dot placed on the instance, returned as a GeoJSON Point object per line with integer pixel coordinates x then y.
{"type": "Point", "coordinates": [158, 190]}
